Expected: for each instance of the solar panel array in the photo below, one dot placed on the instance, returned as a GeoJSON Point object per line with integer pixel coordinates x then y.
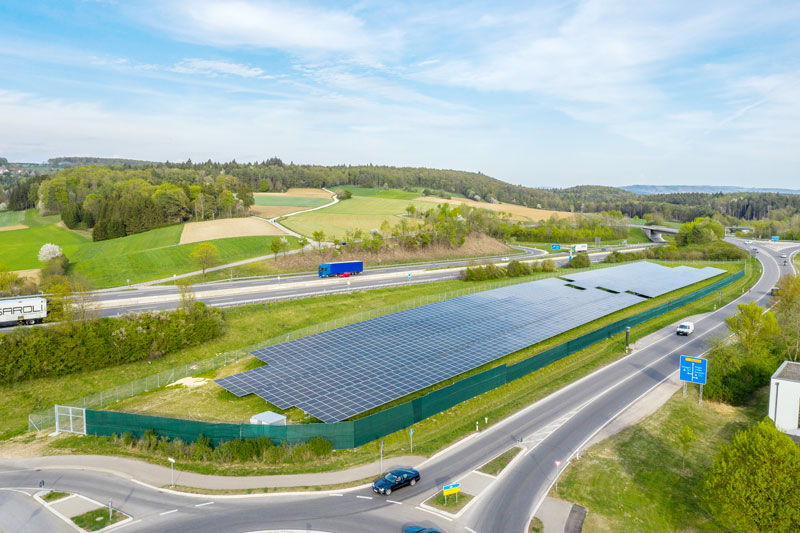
{"type": "Point", "coordinates": [648, 279]}
{"type": "Point", "coordinates": [340, 373]}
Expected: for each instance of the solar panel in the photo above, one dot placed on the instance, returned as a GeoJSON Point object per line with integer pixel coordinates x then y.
{"type": "Point", "coordinates": [342, 372]}
{"type": "Point", "coordinates": [647, 279]}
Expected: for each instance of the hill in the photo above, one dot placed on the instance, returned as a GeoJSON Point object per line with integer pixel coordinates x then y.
{"type": "Point", "coordinates": [706, 189]}
{"type": "Point", "coordinates": [72, 162]}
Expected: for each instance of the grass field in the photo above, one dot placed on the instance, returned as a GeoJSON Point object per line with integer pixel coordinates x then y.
{"type": "Point", "coordinates": [249, 324]}
{"type": "Point", "coordinates": [635, 236]}
{"type": "Point", "coordinates": [149, 264]}
{"type": "Point", "coordinates": [633, 481]}
{"type": "Point", "coordinates": [293, 201]}
{"type": "Point", "coordinates": [517, 212]}
{"type": "Point", "coordinates": [11, 218]}
{"type": "Point", "coordinates": [103, 250]}
{"type": "Point", "coordinates": [359, 212]}
{"type": "Point", "coordinates": [34, 220]}
{"type": "Point", "coordinates": [20, 248]}
{"type": "Point", "coordinates": [378, 192]}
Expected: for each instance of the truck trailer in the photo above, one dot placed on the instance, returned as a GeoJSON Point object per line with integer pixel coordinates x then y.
{"type": "Point", "coordinates": [24, 310]}
{"type": "Point", "coordinates": [342, 269]}
{"type": "Point", "coordinates": [581, 248]}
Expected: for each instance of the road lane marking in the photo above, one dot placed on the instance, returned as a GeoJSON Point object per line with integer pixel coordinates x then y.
{"type": "Point", "coordinates": [483, 474]}
{"type": "Point", "coordinates": [335, 494]}
{"type": "Point", "coordinates": [423, 507]}
{"type": "Point", "coordinates": [392, 501]}
{"type": "Point", "coordinates": [168, 512]}
{"type": "Point", "coordinates": [203, 504]}
{"type": "Point", "coordinates": [470, 529]}
{"type": "Point", "coordinates": [363, 497]}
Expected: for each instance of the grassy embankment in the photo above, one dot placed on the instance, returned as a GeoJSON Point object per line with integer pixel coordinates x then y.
{"type": "Point", "coordinates": [633, 481]}
{"type": "Point", "coordinates": [436, 432]}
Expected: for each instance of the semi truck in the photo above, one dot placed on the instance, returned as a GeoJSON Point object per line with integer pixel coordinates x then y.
{"type": "Point", "coordinates": [23, 310]}
{"type": "Point", "coordinates": [341, 269]}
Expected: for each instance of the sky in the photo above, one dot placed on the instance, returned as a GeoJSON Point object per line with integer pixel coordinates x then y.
{"type": "Point", "coordinates": [544, 94]}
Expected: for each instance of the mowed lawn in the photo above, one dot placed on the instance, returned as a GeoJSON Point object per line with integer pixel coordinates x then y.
{"type": "Point", "coordinates": [359, 212]}
{"type": "Point", "coordinates": [105, 250]}
{"type": "Point", "coordinates": [114, 269]}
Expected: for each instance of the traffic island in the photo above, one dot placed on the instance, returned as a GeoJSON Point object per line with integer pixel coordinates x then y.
{"type": "Point", "coordinates": [98, 519]}
{"type": "Point", "coordinates": [453, 504]}
{"type": "Point", "coordinates": [496, 465]}
{"type": "Point", "coordinates": [54, 495]}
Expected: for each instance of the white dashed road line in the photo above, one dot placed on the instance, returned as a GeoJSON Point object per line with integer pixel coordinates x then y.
{"type": "Point", "coordinates": [168, 512]}
{"type": "Point", "coordinates": [470, 529]}
{"type": "Point", "coordinates": [392, 501]}
{"type": "Point", "coordinates": [203, 504]}
{"type": "Point", "coordinates": [364, 497]}
{"type": "Point", "coordinates": [335, 494]}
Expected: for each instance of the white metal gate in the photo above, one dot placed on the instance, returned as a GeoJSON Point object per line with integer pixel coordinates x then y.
{"type": "Point", "coordinates": [70, 419]}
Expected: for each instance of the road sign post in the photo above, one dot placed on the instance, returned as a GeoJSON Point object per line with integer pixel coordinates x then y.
{"type": "Point", "coordinates": [453, 488]}
{"type": "Point", "coordinates": [558, 464]}
{"type": "Point", "coordinates": [693, 370]}
{"type": "Point", "coordinates": [172, 471]}
{"type": "Point", "coordinates": [411, 437]}
{"type": "Point", "coordinates": [555, 247]}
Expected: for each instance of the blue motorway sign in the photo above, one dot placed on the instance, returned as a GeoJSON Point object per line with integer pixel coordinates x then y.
{"type": "Point", "coordinates": [693, 369]}
{"type": "Point", "coordinates": [775, 238]}
{"type": "Point", "coordinates": [555, 246]}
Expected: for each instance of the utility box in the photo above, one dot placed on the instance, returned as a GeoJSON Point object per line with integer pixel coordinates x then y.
{"type": "Point", "coordinates": [784, 398]}
{"type": "Point", "coordinates": [268, 418]}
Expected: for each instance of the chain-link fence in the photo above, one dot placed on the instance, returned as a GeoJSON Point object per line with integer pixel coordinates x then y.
{"type": "Point", "coordinates": [44, 419]}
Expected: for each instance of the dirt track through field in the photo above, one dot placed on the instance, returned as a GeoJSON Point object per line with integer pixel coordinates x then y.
{"type": "Point", "coordinates": [225, 228]}
{"type": "Point", "coordinates": [12, 228]}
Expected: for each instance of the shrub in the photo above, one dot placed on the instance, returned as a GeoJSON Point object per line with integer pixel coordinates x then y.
{"type": "Point", "coordinates": [320, 446]}
{"type": "Point", "coordinates": [579, 261]}
{"type": "Point", "coordinates": [548, 265]}
{"type": "Point", "coordinates": [49, 251]}
{"type": "Point", "coordinates": [83, 346]}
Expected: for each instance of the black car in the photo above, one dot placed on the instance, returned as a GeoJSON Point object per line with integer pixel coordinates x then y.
{"type": "Point", "coordinates": [395, 479]}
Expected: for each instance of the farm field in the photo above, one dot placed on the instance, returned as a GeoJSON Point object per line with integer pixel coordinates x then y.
{"type": "Point", "coordinates": [145, 265]}
{"type": "Point", "coordinates": [225, 228]}
{"type": "Point", "coordinates": [359, 212]}
{"type": "Point", "coordinates": [271, 205]}
{"type": "Point", "coordinates": [518, 212]}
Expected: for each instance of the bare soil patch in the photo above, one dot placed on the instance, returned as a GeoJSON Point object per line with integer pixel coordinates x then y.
{"type": "Point", "coordinates": [225, 228]}
{"type": "Point", "coordinates": [26, 445]}
{"type": "Point", "coordinates": [301, 191]}
{"type": "Point", "coordinates": [12, 228]}
{"type": "Point", "coordinates": [518, 212]}
{"type": "Point", "coordinates": [33, 274]}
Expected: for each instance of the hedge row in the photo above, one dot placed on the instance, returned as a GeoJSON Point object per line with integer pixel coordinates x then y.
{"type": "Point", "coordinates": [83, 346]}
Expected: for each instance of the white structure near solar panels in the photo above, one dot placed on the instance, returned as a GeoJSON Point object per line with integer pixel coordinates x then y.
{"type": "Point", "coordinates": [268, 418]}
{"type": "Point", "coordinates": [784, 398]}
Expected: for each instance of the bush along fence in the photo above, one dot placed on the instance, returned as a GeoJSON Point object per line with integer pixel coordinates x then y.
{"type": "Point", "coordinates": [44, 418]}
{"type": "Point", "coordinates": [350, 434]}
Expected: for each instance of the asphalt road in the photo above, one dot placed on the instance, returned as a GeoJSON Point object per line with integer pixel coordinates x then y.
{"type": "Point", "coordinates": [551, 429]}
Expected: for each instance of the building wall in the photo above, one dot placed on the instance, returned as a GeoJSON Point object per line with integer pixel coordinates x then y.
{"type": "Point", "coordinates": [786, 411]}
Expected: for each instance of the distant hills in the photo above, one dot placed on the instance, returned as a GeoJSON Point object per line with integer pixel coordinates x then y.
{"type": "Point", "coordinates": [706, 189]}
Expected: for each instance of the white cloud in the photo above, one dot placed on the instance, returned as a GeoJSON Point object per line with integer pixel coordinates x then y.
{"type": "Point", "coordinates": [216, 67]}
{"type": "Point", "coordinates": [280, 25]}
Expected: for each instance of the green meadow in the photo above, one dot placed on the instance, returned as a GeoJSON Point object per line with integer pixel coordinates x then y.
{"type": "Point", "coordinates": [293, 201]}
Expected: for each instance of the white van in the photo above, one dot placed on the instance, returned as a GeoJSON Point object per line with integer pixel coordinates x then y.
{"type": "Point", "coordinates": [686, 328]}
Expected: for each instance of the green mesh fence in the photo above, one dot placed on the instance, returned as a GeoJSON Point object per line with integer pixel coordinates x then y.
{"type": "Point", "coordinates": [369, 428]}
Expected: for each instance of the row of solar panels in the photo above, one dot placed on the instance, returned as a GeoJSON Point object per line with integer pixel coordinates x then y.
{"type": "Point", "coordinates": [340, 373]}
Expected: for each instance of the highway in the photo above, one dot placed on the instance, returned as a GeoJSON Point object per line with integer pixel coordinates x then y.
{"type": "Point", "coordinates": [552, 429]}
{"type": "Point", "coordinates": [225, 294]}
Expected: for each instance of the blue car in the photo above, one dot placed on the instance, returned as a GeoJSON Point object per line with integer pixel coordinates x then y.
{"type": "Point", "coordinates": [395, 479]}
{"type": "Point", "coordinates": [417, 529]}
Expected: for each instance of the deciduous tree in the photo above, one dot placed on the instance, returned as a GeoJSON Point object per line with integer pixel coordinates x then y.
{"type": "Point", "coordinates": [752, 326]}
{"type": "Point", "coordinates": [205, 255]}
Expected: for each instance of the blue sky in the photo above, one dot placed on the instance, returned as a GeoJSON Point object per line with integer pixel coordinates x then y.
{"type": "Point", "coordinates": [546, 94]}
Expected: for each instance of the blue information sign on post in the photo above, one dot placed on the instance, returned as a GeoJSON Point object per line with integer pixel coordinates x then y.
{"type": "Point", "coordinates": [775, 238]}
{"type": "Point", "coordinates": [555, 246]}
{"type": "Point", "coordinates": [693, 369]}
